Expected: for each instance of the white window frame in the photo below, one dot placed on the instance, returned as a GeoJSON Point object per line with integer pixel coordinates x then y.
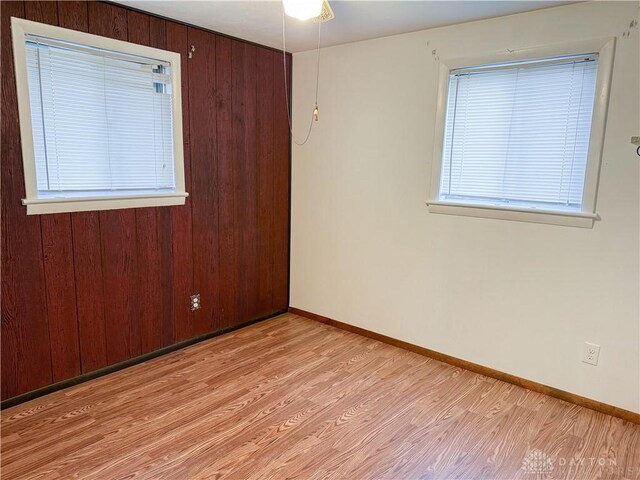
{"type": "Point", "coordinates": [605, 49]}
{"type": "Point", "coordinates": [20, 29]}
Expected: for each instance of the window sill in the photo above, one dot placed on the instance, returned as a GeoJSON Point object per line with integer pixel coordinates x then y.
{"type": "Point", "coordinates": [38, 206]}
{"type": "Point", "coordinates": [569, 219]}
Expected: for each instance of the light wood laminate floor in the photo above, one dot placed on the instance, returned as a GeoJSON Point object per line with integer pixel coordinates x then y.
{"type": "Point", "coordinates": [293, 398]}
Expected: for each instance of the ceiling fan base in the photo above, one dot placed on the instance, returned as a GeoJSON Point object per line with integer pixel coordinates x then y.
{"type": "Point", "coordinates": [326, 15]}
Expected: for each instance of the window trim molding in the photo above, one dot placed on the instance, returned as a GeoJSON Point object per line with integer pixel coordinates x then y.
{"type": "Point", "coordinates": [605, 47]}
{"type": "Point", "coordinates": [84, 204]}
{"type": "Point", "coordinates": [35, 205]}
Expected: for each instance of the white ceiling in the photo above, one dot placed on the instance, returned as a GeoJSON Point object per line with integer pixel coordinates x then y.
{"type": "Point", "coordinates": [261, 21]}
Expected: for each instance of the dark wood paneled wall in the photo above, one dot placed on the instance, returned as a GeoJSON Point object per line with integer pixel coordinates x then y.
{"type": "Point", "coordinates": [82, 291]}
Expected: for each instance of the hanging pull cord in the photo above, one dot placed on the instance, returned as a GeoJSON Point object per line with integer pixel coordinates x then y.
{"type": "Point", "coordinates": [314, 114]}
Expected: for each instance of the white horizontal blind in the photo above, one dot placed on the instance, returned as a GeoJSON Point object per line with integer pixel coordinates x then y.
{"type": "Point", "coordinates": [518, 135]}
{"type": "Point", "coordinates": [101, 121]}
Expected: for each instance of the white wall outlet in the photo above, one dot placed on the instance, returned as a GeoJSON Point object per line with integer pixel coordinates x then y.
{"type": "Point", "coordinates": [590, 353]}
{"type": "Point", "coordinates": [195, 302]}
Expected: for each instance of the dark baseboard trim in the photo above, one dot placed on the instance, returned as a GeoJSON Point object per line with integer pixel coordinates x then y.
{"type": "Point", "coordinates": [54, 387]}
{"type": "Point", "coordinates": [474, 367]}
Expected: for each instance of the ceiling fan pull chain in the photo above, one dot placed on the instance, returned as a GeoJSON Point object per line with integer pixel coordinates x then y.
{"type": "Point", "coordinates": [314, 115]}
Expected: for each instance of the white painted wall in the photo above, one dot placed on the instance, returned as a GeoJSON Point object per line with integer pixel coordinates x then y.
{"type": "Point", "coordinates": [518, 297]}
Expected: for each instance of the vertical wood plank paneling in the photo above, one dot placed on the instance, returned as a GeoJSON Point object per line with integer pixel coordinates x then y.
{"type": "Point", "coordinates": [73, 15]}
{"type": "Point", "coordinates": [26, 354]}
{"type": "Point", "coordinates": [158, 32]}
{"type": "Point", "coordinates": [138, 27]}
{"type": "Point", "coordinates": [264, 144]}
{"type": "Point", "coordinates": [10, 146]}
{"type": "Point", "coordinates": [249, 178]}
{"type": "Point", "coordinates": [244, 159]}
{"type": "Point", "coordinates": [118, 233]}
{"type": "Point", "coordinates": [89, 290]}
{"type": "Point", "coordinates": [164, 323]}
{"type": "Point", "coordinates": [181, 247]}
{"type": "Point", "coordinates": [87, 259]}
{"type": "Point", "coordinates": [150, 301]}
{"type": "Point", "coordinates": [41, 11]}
{"type": "Point", "coordinates": [204, 179]}
{"type": "Point", "coordinates": [281, 187]}
{"type": "Point", "coordinates": [107, 20]}
{"type": "Point", "coordinates": [238, 159]}
{"type": "Point", "coordinates": [61, 296]}
{"type": "Point", "coordinates": [119, 250]}
{"type": "Point", "coordinates": [57, 247]}
{"type": "Point", "coordinates": [228, 237]}
{"type": "Point", "coordinates": [84, 290]}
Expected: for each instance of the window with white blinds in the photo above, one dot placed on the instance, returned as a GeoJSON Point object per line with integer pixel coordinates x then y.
{"type": "Point", "coordinates": [517, 135]}
{"type": "Point", "coordinates": [103, 122]}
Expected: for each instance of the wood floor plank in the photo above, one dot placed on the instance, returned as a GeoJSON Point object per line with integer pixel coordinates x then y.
{"type": "Point", "coordinates": [293, 398]}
